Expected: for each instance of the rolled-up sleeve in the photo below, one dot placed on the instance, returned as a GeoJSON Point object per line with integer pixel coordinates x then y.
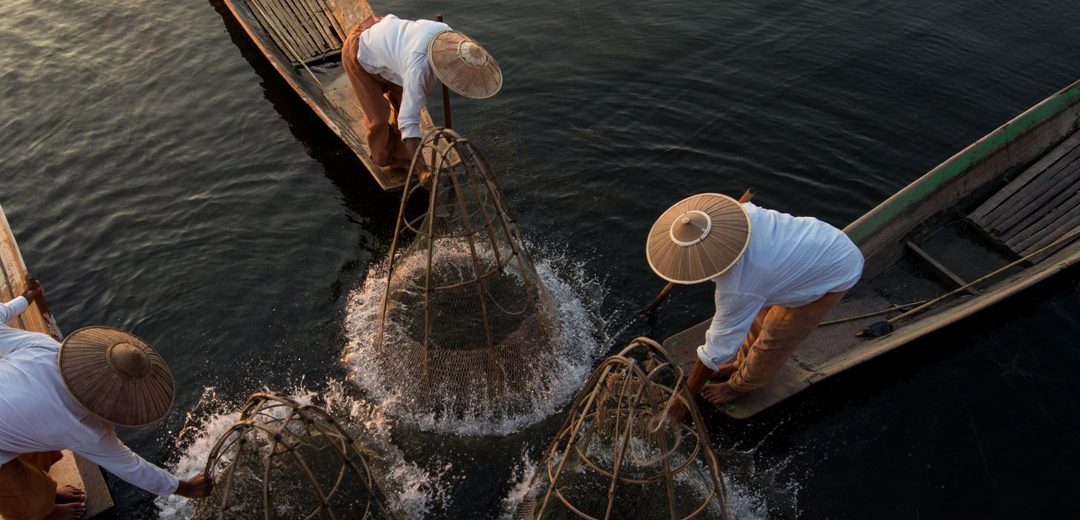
{"type": "Point", "coordinates": [13, 308]}
{"type": "Point", "coordinates": [735, 314]}
{"type": "Point", "coordinates": [112, 455]}
{"type": "Point", "coordinates": [418, 81]}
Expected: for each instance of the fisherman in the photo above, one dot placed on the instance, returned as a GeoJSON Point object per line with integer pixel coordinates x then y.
{"type": "Point", "coordinates": [776, 277]}
{"type": "Point", "coordinates": [392, 65]}
{"type": "Point", "coordinates": [57, 396]}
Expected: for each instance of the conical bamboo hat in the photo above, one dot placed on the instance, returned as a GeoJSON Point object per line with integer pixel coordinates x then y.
{"type": "Point", "coordinates": [698, 238]}
{"type": "Point", "coordinates": [116, 376]}
{"type": "Point", "coordinates": [464, 66]}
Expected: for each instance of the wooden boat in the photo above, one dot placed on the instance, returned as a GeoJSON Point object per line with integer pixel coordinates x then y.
{"type": "Point", "coordinates": [72, 469]}
{"type": "Point", "coordinates": [302, 39]}
{"type": "Point", "coordinates": [989, 222]}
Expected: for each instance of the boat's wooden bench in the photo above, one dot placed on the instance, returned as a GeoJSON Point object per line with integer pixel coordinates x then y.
{"type": "Point", "coordinates": [305, 30]}
{"type": "Point", "coordinates": [1039, 206]}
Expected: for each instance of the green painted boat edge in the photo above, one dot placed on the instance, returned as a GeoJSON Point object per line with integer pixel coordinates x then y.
{"type": "Point", "coordinates": [865, 226]}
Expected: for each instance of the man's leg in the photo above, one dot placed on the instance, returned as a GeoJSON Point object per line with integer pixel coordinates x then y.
{"type": "Point", "coordinates": [782, 330]}
{"type": "Point", "coordinates": [28, 493]}
{"type": "Point", "coordinates": [701, 374]}
{"type": "Point", "coordinates": [401, 158]}
{"type": "Point", "coordinates": [369, 92]}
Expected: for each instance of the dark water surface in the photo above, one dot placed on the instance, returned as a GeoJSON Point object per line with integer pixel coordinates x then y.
{"type": "Point", "coordinates": [160, 178]}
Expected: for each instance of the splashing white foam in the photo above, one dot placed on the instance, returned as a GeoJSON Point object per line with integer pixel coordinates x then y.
{"type": "Point", "coordinates": [520, 480]}
{"type": "Point", "coordinates": [578, 298]}
{"type": "Point", "coordinates": [411, 490]}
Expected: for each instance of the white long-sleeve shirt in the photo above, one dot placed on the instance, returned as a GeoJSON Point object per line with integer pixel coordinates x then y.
{"type": "Point", "coordinates": [397, 50]}
{"type": "Point", "coordinates": [38, 414]}
{"type": "Point", "coordinates": [790, 262]}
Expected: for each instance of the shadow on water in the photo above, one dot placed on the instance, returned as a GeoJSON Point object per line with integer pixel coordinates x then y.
{"type": "Point", "coordinates": [361, 194]}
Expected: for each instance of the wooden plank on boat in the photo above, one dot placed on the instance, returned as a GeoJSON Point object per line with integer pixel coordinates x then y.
{"type": "Point", "coordinates": [1070, 144]}
{"type": "Point", "coordinates": [1022, 192]}
{"type": "Point", "coordinates": [72, 469]}
{"type": "Point", "coordinates": [943, 272]}
{"type": "Point", "coordinates": [1028, 221]}
{"type": "Point", "coordinates": [318, 16]}
{"type": "Point", "coordinates": [1069, 226]}
{"type": "Point", "coordinates": [323, 86]}
{"type": "Point", "coordinates": [882, 233]}
{"type": "Point", "coordinates": [1041, 222]}
{"type": "Point", "coordinates": [297, 37]}
{"type": "Point", "coordinates": [276, 32]}
{"type": "Point", "coordinates": [1055, 222]}
{"type": "Point", "coordinates": [294, 11]}
{"type": "Point", "coordinates": [328, 12]}
{"type": "Point", "coordinates": [1038, 197]}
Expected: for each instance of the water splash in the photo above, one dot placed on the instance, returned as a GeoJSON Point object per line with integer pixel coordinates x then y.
{"type": "Point", "coordinates": [753, 493]}
{"type": "Point", "coordinates": [411, 490]}
{"type": "Point", "coordinates": [583, 327]}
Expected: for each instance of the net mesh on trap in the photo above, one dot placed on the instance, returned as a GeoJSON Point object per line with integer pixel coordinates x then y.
{"type": "Point", "coordinates": [617, 456]}
{"type": "Point", "coordinates": [465, 320]}
{"type": "Point", "coordinates": [286, 460]}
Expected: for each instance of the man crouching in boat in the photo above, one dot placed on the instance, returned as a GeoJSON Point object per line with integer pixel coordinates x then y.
{"type": "Point", "coordinates": [392, 65]}
{"type": "Point", "coordinates": [776, 277]}
{"type": "Point", "coordinates": [71, 396]}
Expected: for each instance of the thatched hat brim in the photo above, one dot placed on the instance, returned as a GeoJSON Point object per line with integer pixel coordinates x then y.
{"type": "Point", "coordinates": [698, 238]}
{"type": "Point", "coordinates": [116, 376]}
{"type": "Point", "coordinates": [464, 66]}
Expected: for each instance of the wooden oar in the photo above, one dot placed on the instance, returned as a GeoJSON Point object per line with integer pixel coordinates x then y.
{"type": "Point", "coordinates": [663, 294]}
{"type": "Point", "coordinates": [882, 328]}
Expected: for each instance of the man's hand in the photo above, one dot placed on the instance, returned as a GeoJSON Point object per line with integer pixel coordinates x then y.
{"type": "Point", "coordinates": [195, 487]}
{"type": "Point", "coordinates": [422, 169]}
{"type": "Point", "coordinates": [33, 294]}
{"type": "Point", "coordinates": [720, 393]}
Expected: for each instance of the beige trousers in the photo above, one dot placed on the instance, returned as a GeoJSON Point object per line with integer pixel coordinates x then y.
{"type": "Point", "coordinates": [773, 337]}
{"type": "Point", "coordinates": [380, 100]}
{"type": "Point", "coordinates": [26, 490]}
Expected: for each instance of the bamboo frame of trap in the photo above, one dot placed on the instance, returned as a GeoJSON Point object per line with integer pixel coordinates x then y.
{"type": "Point", "coordinates": [274, 416]}
{"type": "Point", "coordinates": [461, 179]}
{"type": "Point", "coordinates": [640, 388]}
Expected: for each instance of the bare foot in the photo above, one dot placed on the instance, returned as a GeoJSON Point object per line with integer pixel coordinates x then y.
{"type": "Point", "coordinates": [720, 393]}
{"type": "Point", "coordinates": [68, 494]}
{"type": "Point", "coordinates": [73, 511]}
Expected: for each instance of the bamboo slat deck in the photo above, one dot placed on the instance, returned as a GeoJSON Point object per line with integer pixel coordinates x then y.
{"type": "Point", "coordinates": [1040, 206]}
{"type": "Point", "coordinates": [72, 469]}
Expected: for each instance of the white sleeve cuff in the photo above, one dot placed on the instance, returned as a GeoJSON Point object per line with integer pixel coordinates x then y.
{"type": "Point", "coordinates": [709, 361]}
{"type": "Point", "coordinates": [13, 308]}
{"type": "Point", "coordinates": [19, 304]}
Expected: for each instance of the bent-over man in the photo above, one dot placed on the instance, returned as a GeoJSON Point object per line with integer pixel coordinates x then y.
{"type": "Point", "coordinates": [392, 65]}
{"type": "Point", "coordinates": [71, 396]}
{"type": "Point", "coordinates": [776, 277]}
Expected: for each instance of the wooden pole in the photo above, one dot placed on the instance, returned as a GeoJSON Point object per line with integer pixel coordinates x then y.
{"type": "Point", "coordinates": [447, 121]}
{"type": "Point", "coordinates": [46, 313]}
{"type": "Point", "coordinates": [663, 294]}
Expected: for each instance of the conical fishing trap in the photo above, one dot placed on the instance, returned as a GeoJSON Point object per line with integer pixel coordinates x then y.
{"type": "Point", "coordinates": [286, 460]}
{"type": "Point", "coordinates": [466, 327]}
{"type": "Point", "coordinates": [619, 455]}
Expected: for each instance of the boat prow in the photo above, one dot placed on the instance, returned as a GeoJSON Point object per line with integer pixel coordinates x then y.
{"type": "Point", "coordinates": [989, 222]}
{"type": "Point", "coordinates": [302, 40]}
{"type": "Point", "coordinates": [72, 469]}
